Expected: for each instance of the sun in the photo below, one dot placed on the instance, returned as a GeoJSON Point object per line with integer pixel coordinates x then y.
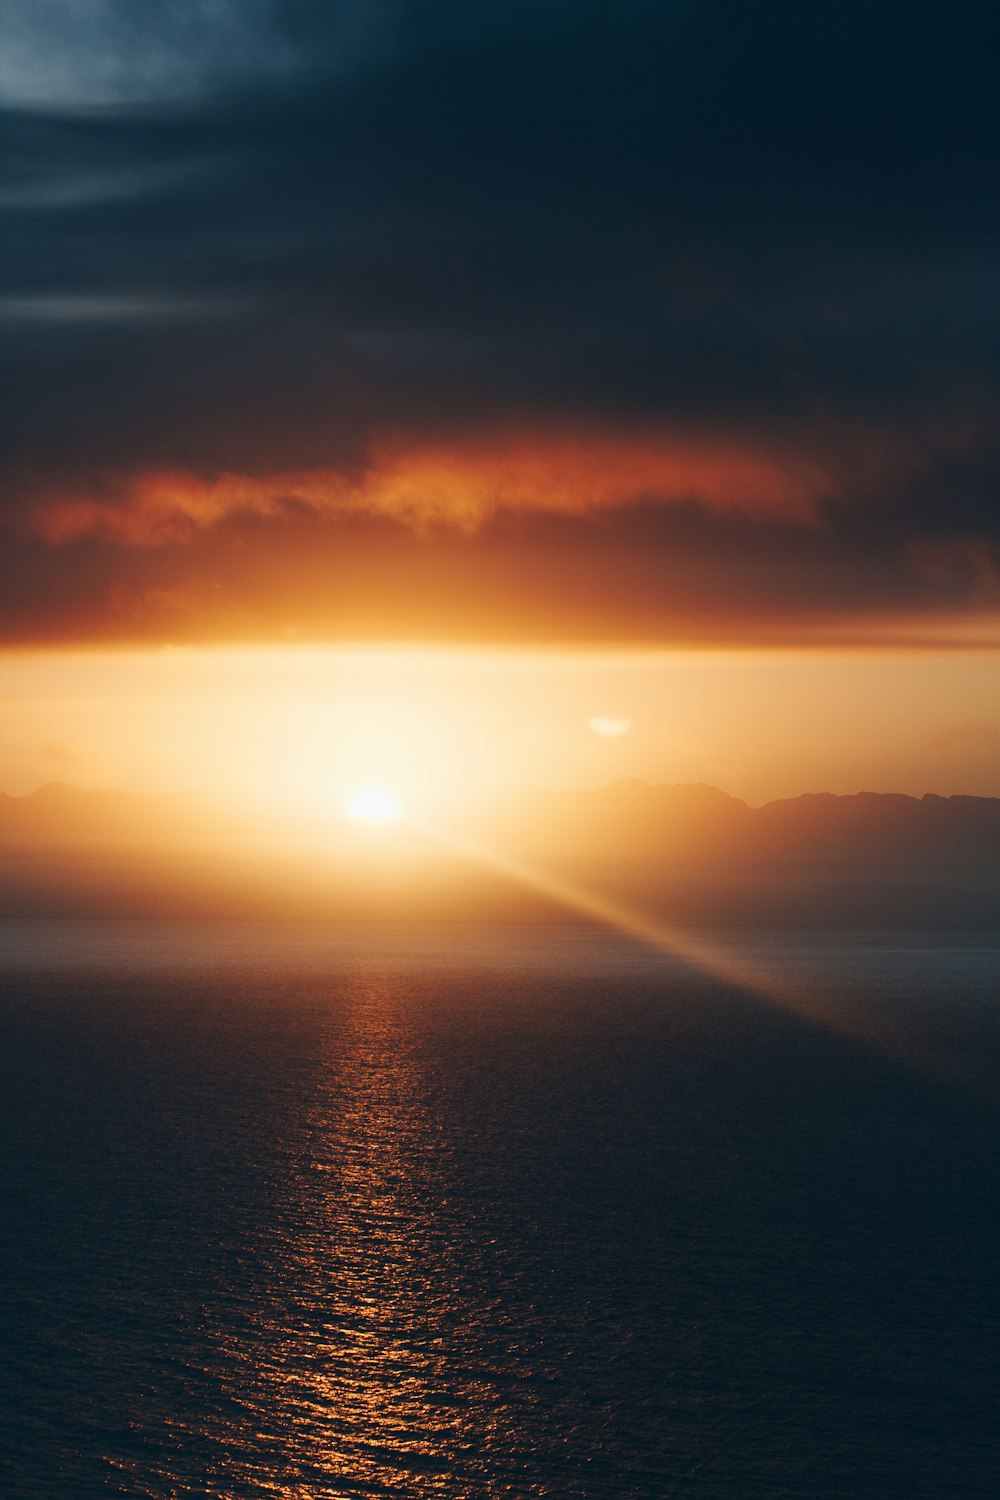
{"type": "Point", "coordinates": [373, 806]}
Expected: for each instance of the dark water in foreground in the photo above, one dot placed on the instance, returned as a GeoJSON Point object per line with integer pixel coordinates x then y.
{"type": "Point", "coordinates": [308, 1212]}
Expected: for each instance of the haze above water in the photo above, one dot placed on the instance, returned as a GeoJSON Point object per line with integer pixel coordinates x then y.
{"type": "Point", "coordinates": [304, 1211]}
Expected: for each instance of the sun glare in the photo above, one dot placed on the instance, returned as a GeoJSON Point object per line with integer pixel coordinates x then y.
{"type": "Point", "coordinates": [373, 806]}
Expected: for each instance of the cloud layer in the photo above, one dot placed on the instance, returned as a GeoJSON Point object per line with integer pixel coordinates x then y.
{"type": "Point", "coordinates": [560, 319]}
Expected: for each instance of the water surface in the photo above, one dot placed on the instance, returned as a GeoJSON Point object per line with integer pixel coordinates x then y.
{"type": "Point", "coordinates": [471, 1212]}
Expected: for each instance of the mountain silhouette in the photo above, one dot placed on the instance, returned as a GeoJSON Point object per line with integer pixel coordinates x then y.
{"type": "Point", "coordinates": [688, 853]}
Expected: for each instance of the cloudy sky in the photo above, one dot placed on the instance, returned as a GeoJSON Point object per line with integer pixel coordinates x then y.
{"type": "Point", "coordinates": [538, 321]}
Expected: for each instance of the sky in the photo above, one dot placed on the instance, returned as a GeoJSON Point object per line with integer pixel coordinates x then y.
{"type": "Point", "coordinates": [305, 728]}
{"type": "Point", "coordinates": [521, 327]}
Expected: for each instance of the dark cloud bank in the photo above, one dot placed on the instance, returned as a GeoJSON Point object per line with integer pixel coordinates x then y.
{"type": "Point", "coordinates": [316, 268]}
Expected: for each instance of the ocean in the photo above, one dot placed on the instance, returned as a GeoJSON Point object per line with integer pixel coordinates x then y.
{"type": "Point", "coordinates": [489, 1213]}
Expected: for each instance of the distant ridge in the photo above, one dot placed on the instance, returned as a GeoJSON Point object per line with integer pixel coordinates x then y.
{"type": "Point", "coordinates": [639, 815]}
{"type": "Point", "coordinates": [691, 852]}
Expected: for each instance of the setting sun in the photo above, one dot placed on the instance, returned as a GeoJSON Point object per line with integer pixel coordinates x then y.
{"type": "Point", "coordinates": [373, 806]}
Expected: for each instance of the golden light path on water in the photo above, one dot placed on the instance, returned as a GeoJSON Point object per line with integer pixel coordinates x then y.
{"type": "Point", "coordinates": [346, 1380]}
{"type": "Point", "coordinates": [380, 1359]}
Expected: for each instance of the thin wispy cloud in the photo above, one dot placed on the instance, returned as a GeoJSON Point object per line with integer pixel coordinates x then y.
{"type": "Point", "coordinates": [82, 54]}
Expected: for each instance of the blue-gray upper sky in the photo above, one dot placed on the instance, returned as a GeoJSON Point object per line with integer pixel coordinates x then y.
{"type": "Point", "coordinates": [537, 320]}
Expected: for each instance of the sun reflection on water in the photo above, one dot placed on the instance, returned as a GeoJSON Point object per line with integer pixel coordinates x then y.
{"type": "Point", "coordinates": [348, 1375]}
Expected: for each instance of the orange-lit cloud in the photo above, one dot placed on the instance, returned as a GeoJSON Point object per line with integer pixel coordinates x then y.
{"type": "Point", "coordinates": [536, 534]}
{"type": "Point", "coordinates": [594, 330]}
{"type": "Point", "coordinates": [460, 485]}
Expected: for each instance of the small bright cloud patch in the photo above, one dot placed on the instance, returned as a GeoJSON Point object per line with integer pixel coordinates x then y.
{"type": "Point", "coordinates": [610, 728]}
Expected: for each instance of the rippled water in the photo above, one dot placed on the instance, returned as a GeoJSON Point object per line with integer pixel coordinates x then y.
{"type": "Point", "coordinates": [309, 1212]}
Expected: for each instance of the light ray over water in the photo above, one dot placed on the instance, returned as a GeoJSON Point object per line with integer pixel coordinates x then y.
{"type": "Point", "coordinates": [810, 1000]}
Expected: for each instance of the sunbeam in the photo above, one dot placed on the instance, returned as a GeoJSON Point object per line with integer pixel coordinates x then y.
{"type": "Point", "coordinates": [806, 998]}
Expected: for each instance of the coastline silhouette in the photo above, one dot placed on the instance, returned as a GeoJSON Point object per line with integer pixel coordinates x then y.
{"type": "Point", "coordinates": [691, 852]}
